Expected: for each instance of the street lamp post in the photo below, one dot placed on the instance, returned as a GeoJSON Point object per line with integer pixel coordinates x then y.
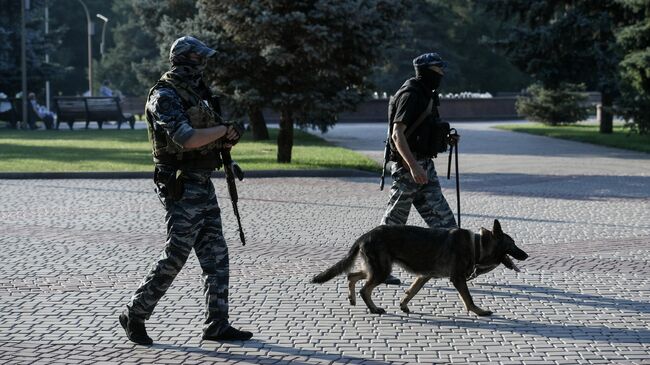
{"type": "Point", "coordinates": [23, 63]}
{"type": "Point", "coordinates": [47, 55]}
{"type": "Point", "coordinates": [101, 46]}
{"type": "Point", "coordinates": [90, 49]}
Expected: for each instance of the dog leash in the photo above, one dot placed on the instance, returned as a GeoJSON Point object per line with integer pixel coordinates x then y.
{"type": "Point", "coordinates": [454, 132]}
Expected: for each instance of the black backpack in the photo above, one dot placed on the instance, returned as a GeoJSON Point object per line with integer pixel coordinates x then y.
{"type": "Point", "coordinates": [438, 139]}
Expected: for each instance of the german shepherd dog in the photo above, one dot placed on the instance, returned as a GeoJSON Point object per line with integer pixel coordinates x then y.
{"type": "Point", "coordinates": [458, 254]}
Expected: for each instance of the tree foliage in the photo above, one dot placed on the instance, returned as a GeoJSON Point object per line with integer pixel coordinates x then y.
{"type": "Point", "coordinates": [37, 45]}
{"type": "Point", "coordinates": [308, 59]}
{"type": "Point", "coordinates": [635, 66]}
{"type": "Point", "coordinates": [72, 51]}
{"type": "Point", "coordinates": [140, 36]}
{"type": "Point", "coordinates": [458, 31]}
{"type": "Point", "coordinates": [565, 104]}
{"type": "Point", "coordinates": [559, 41]}
{"type": "Point", "coordinates": [132, 46]}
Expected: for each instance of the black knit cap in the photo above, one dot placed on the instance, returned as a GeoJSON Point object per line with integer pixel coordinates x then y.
{"type": "Point", "coordinates": [429, 59]}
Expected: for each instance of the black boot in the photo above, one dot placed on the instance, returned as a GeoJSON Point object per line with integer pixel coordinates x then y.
{"type": "Point", "coordinates": [135, 330]}
{"type": "Point", "coordinates": [230, 334]}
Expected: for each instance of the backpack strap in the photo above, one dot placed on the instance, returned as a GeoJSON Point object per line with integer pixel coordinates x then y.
{"type": "Point", "coordinates": [420, 119]}
{"type": "Point", "coordinates": [391, 105]}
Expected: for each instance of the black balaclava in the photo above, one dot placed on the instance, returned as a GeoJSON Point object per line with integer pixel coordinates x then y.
{"type": "Point", "coordinates": [183, 67]}
{"type": "Point", "coordinates": [189, 70]}
{"type": "Point", "coordinates": [428, 77]}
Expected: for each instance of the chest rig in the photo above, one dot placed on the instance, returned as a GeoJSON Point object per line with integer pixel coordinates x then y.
{"type": "Point", "coordinates": [200, 115]}
{"type": "Point", "coordinates": [427, 135]}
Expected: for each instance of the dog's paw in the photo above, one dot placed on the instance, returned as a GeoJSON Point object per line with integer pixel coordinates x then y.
{"type": "Point", "coordinates": [378, 311]}
{"type": "Point", "coordinates": [352, 299]}
{"type": "Point", "coordinates": [405, 308]}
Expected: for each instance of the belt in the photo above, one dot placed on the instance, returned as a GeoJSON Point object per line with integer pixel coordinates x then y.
{"type": "Point", "coordinates": [201, 176]}
{"type": "Point", "coordinates": [418, 158]}
{"type": "Point", "coordinates": [204, 162]}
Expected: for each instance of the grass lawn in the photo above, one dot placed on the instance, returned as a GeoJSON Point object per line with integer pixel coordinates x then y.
{"type": "Point", "coordinates": [621, 138]}
{"type": "Point", "coordinates": [129, 150]}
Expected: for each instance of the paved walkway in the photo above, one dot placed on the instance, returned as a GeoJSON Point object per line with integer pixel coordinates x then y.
{"type": "Point", "coordinates": [73, 251]}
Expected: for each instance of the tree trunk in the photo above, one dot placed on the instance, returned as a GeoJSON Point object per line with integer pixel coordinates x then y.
{"type": "Point", "coordinates": [285, 136]}
{"type": "Point", "coordinates": [258, 125]}
{"type": "Point", "coordinates": [606, 115]}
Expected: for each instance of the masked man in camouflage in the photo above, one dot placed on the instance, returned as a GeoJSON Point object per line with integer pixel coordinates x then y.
{"type": "Point", "coordinates": [187, 133]}
{"type": "Point", "coordinates": [415, 181]}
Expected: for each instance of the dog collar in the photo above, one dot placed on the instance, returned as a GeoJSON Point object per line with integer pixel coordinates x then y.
{"type": "Point", "coordinates": [477, 240]}
{"type": "Point", "coordinates": [478, 246]}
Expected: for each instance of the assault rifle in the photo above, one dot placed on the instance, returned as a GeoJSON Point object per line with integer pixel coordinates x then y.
{"type": "Point", "coordinates": [231, 169]}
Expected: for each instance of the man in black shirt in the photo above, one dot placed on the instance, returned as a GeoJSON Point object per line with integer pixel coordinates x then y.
{"type": "Point", "coordinates": [415, 182]}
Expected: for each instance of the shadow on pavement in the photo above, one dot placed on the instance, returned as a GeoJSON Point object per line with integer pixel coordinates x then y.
{"type": "Point", "coordinates": [498, 323]}
{"type": "Point", "coordinates": [571, 187]}
{"type": "Point", "coordinates": [294, 354]}
{"type": "Point", "coordinates": [563, 297]}
{"type": "Point", "coordinates": [491, 217]}
{"type": "Point", "coordinates": [500, 142]}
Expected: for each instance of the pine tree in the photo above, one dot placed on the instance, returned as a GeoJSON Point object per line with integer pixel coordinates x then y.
{"type": "Point", "coordinates": [308, 59]}
{"type": "Point", "coordinates": [635, 66]}
{"type": "Point", "coordinates": [132, 45]}
{"type": "Point", "coordinates": [72, 50]}
{"type": "Point", "coordinates": [457, 30]}
{"type": "Point", "coordinates": [37, 45]}
{"type": "Point", "coordinates": [559, 41]}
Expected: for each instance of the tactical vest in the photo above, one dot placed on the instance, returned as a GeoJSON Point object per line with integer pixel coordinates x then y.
{"type": "Point", "coordinates": [429, 137]}
{"type": "Point", "coordinates": [200, 114]}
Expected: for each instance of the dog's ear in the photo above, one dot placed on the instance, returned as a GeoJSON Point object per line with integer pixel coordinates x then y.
{"type": "Point", "coordinates": [509, 264]}
{"type": "Point", "coordinates": [496, 229]}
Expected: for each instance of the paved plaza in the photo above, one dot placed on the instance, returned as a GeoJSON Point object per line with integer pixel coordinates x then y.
{"type": "Point", "coordinates": [73, 251]}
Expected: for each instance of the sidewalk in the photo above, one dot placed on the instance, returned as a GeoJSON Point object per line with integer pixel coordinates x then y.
{"type": "Point", "coordinates": [484, 149]}
{"type": "Point", "coordinates": [75, 250]}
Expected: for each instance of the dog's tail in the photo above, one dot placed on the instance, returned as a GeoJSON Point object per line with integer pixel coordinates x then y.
{"type": "Point", "coordinates": [340, 267]}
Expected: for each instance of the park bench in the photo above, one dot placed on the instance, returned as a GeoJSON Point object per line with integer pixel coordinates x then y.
{"type": "Point", "coordinates": [70, 109]}
{"type": "Point", "coordinates": [134, 105]}
{"type": "Point", "coordinates": [10, 116]}
{"type": "Point", "coordinates": [14, 115]}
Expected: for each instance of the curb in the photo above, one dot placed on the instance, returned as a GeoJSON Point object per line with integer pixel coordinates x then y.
{"type": "Point", "coordinates": [216, 174]}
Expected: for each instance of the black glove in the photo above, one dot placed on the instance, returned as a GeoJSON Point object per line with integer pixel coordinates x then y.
{"type": "Point", "coordinates": [453, 139]}
{"type": "Point", "coordinates": [238, 128]}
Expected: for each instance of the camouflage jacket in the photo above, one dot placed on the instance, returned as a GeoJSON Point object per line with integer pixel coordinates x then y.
{"type": "Point", "coordinates": [173, 110]}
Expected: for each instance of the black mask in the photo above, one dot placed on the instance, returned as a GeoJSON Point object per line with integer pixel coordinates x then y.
{"type": "Point", "coordinates": [190, 71]}
{"type": "Point", "coordinates": [428, 77]}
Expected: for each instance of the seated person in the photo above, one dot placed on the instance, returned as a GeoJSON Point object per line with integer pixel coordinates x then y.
{"type": "Point", "coordinates": [42, 112]}
{"type": "Point", "coordinates": [6, 113]}
{"type": "Point", "coordinates": [105, 89]}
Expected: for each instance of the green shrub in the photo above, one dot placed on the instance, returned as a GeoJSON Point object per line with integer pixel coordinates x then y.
{"type": "Point", "coordinates": [634, 39]}
{"type": "Point", "coordinates": [565, 105]}
{"type": "Point", "coordinates": [634, 108]}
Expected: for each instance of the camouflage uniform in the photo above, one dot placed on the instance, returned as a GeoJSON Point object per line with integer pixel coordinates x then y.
{"type": "Point", "coordinates": [412, 100]}
{"type": "Point", "coordinates": [426, 198]}
{"type": "Point", "coordinates": [193, 216]}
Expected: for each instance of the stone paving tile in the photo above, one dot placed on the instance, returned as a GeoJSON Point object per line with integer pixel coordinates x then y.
{"type": "Point", "coordinates": [71, 264]}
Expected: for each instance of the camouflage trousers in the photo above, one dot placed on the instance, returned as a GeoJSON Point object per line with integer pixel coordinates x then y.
{"type": "Point", "coordinates": [194, 221]}
{"type": "Point", "coordinates": [427, 198]}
